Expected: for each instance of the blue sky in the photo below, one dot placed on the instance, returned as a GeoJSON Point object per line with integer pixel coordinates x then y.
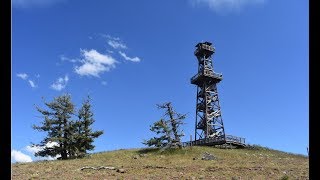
{"type": "Point", "coordinates": [131, 55]}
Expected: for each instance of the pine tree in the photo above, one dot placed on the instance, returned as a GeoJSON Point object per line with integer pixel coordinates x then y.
{"type": "Point", "coordinates": [171, 135]}
{"type": "Point", "coordinates": [160, 127]}
{"type": "Point", "coordinates": [58, 124]}
{"type": "Point", "coordinates": [71, 138]}
{"type": "Point", "coordinates": [84, 133]}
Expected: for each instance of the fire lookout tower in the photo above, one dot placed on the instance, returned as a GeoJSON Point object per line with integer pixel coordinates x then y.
{"type": "Point", "coordinates": [209, 129]}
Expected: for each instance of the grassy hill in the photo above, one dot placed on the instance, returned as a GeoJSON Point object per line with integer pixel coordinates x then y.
{"type": "Point", "coordinates": [258, 163]}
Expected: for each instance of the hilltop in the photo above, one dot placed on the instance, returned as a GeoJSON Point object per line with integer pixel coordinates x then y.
{"type": "Point", "coordinates": [187, 163]}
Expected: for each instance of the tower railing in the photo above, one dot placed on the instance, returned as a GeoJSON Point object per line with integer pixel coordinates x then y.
{"type": "Point", "coordinates": [211, 74]}
{"type": "Point", "coordinates": [204, 47]}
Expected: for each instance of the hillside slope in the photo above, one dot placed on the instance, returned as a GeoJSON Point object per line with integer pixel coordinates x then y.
{"type": "Point", "coordinates": [187, 163]}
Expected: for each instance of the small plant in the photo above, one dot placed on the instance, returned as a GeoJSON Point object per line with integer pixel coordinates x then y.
{"type": "Point", "coordinates": [285, 177]}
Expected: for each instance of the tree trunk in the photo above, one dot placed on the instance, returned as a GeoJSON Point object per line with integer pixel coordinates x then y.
{"type": "Point", "coordinates": [173, 123]}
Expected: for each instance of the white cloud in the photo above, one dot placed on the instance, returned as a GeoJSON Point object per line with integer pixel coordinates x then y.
{"type": "Point", "coordinates": [117, 44]}
{"type": "Point", "coordinates": [52, 144]}
{"type": "Point", "coordinates": [104, 83]}
{"type": "Point", "coordinates": [32, 84]}
{"type": "Point", "coordinates": [35, 149]}
{"type": "Point", "coordinates": [60, 83]}
{"type": "Point", "coordinates": [49, 158]}
{"type": "Point", "coordinates": [18, 156]}
{"type": "Point", "coordinates": [109, 51]}
{"type": "Point", "coordinates": [114, 42]}
{"type": "Point", "coordinates": [94, 56]}
{"type": "Point", "coordinates": [64, 58]}
{"type": "Point", "coordinates": [33, 3]}
{"type": "Point", "coordinates": [23, 76]}
{"type": "Point", "coordinates": [88, 69]}
{"type": "Point", "coordinates": [135, 59]}
{"type": "Point", "coordinates": [226, 5]}
{"type": "Point", "coordinates": [110, 37]}
{"type": "Point", "coordinates": [94, 63]}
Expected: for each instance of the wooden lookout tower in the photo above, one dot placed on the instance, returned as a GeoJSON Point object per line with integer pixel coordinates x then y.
{"type": "Point", "coordinates": [209, 128]}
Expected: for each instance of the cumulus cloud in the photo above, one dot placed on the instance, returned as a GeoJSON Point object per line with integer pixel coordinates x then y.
{"type": "Point", "coordinates": [135, 59]}
{"type": "Point", "coordinates": [34, 3]}
{"type": "Point", "coordinates": [94, 63]}
{"type": "Point", "coordinates": [226, 5]}
{"type": "Point", "coordinates": [18, 156]}
{"type": "Point", "coordinates": [23, 76]}
{"type": "Point", "coordinates": [60, 83]}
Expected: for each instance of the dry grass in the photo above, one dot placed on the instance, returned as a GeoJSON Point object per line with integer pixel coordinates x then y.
{"type": "Point", "coordinates": [175, 164]}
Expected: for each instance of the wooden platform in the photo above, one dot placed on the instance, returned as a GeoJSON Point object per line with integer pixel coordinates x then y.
{"type": "Point", "coordinates": [229, 139]}
{"type": "Point", "coordinates": [212, 77]}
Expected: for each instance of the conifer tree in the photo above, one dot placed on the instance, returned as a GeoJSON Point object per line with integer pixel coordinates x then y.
{"type": "Point", "coordinates": [71, 138]}
{"type": "Point", "coordinates": [85, 134]}
{"type": "Point", "coordinates": [57, 123]}
{"type": "Point", "coordinates": [169, 129]}
{"type": "Point", "coordinates": [160, 127]}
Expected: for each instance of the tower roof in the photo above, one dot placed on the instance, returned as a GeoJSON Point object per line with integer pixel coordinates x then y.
{"type": "Point", "coordinates": [207, 43]}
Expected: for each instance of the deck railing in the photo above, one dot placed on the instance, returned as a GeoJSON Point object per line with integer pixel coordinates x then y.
{"type": "Point", "coordinates": [217, 140]}
{"type": "Point", "coordinates": [230, 138]}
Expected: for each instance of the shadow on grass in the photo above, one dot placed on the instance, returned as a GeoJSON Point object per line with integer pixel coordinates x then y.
{"type": "Point", "coordinates": [168, 151]}
{"type": "Point", "coordinates": [148, 150]}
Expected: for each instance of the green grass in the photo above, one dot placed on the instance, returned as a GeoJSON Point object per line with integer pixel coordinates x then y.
{"type": "Point", "coordinates": [254, 163]}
